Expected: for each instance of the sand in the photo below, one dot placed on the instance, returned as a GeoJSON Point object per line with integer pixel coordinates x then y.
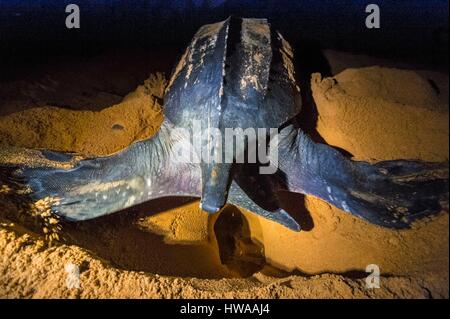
{"type": "Point", "coordinates": [170, 249]}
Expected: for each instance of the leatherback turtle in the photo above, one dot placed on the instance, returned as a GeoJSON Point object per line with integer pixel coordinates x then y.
{"type": "Point", "coordinates": [237, 73]}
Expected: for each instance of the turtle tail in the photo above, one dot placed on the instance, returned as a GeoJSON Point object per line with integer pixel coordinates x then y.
{"type": "Point", "coordinates": [390, 193]}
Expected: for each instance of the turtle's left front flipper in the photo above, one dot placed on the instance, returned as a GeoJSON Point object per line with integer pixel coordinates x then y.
{"type": "Point", "coordinates": [391, 193]}
{"type": "Point", "coordinates": [80, 189]}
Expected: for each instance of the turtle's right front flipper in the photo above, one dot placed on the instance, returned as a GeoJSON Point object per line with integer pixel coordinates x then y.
{"type": "Point", "coordinates": [390, 194]}
{"type": "Point", "coordinates": [80, 189]}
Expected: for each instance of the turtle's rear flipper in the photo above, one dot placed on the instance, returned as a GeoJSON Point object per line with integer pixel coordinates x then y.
{"type": "Point", "coordinates": [80, 189]}
{"type": "Point", "coordinates": [258, 194]}
{"type": "Point", "coordinates": [390, 194]}
{"type": "Point", "coordinates": [73, 188]}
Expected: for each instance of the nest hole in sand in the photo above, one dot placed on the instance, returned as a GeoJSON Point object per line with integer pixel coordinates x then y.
{"type": "Point", "coordinates": [230, 251]}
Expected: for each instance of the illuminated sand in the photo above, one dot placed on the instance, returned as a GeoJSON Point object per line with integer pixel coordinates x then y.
{"type": "Point", "coordinates": [373, 113]}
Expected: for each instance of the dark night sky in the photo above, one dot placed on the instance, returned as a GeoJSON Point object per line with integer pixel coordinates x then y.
{"type": "Point", "coordinates": [410, 30]}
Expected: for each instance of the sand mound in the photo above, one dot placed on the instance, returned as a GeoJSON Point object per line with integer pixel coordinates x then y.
{"type": "Point", "coordinates": [153, 251]}
{"type": "Point", "coordinates": [379, 113]}
{"type": "Point", "coordinates": [103, 132]}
